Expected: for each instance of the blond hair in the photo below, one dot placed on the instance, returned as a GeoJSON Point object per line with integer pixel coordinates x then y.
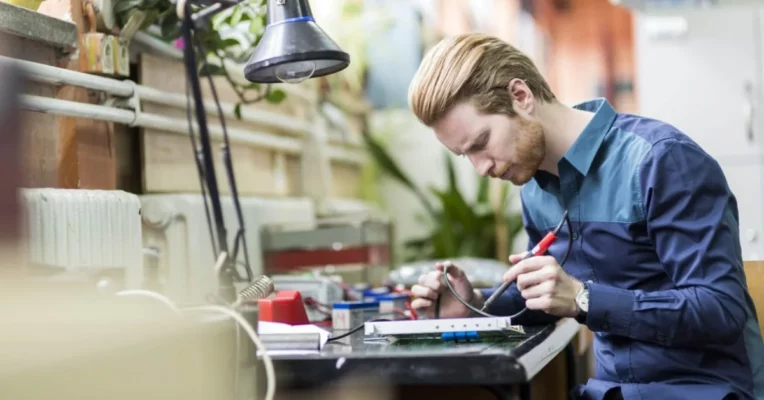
{"type": "Point", "coordinates": [474, 67]}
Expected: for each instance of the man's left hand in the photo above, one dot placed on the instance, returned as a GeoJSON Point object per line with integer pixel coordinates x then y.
{"type": "Point", "coordinates": [544, 285]}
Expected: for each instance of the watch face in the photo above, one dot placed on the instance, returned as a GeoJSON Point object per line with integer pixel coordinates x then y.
{"type": "Point", "coordinates": [582, 300]}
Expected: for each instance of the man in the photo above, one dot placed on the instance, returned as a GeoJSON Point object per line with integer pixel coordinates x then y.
{"type": "Point", "coordinates": [655, 268]}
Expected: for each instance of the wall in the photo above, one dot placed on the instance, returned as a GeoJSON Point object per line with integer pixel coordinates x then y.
{"type": "Point", "coordinates": [591, 51]}
{"type": "Point", "coordinates": [34, 37]}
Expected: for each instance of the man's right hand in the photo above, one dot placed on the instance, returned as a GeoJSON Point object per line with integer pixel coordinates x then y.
{"type": "Point", "coordinates": [431, 286]}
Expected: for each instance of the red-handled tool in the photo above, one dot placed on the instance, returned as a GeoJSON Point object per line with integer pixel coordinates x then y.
{"type": "Point", "coordinates": [541, 247]}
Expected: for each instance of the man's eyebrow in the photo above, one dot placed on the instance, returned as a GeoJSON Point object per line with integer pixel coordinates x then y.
{"type": "Point", "coordinates": [473, 143]}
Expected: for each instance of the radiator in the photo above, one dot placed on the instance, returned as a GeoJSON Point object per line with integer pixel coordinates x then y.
{"type": "Point", "coordinates": [84, 231]}
{"type": "Point", "coordinates": [175, 229]}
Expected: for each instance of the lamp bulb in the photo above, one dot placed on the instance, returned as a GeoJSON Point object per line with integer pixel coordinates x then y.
{"type": "Point", "coordinates": [295, 72]}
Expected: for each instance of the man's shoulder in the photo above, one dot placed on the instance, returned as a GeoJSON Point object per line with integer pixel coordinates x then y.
{"type": "Point", "coordinates": [649, 130]}
{"type": "Point", "coordinates": [655, 136]}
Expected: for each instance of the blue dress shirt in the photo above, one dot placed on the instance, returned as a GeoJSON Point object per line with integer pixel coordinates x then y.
{"type": "Point", "coordinates": [655, 232]}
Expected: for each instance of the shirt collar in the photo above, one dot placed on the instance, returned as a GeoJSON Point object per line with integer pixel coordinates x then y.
{"type": "Point", "coordinates": [581, 154]}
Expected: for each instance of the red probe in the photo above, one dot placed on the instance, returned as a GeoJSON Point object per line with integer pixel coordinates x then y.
{"type": "Point", "coordinates": [537, 250]}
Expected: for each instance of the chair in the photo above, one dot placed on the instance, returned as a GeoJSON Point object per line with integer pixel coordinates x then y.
{"type": "Point", "coordinates": [754, 275]}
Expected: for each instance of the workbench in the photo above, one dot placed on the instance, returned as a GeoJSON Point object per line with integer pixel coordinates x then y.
{"type": "Point", "coordinates": [496, 365]}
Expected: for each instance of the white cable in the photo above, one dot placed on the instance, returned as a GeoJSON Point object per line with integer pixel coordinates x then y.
{"type": "Point", "coordinates": [150, 294]}
{"type": "Point", "coordinates": [180, 9]}
{"type": "Point", "coordinates": [269, 371]}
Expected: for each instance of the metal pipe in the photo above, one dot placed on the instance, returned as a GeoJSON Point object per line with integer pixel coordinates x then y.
{"type": "Point", "coordinates": [67, 108]}
{"type": "Point", "coordinates": [59, 76]}
{"type": "Point", "coordinates": [74, 109]}
{"type": "Point", "coordinates": [151, 95]}
{"type": "Point", "coordinates": [260, 139]}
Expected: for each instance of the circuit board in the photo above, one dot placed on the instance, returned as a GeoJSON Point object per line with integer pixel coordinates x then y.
{"type": "Point", "coordinates": [453, 329]}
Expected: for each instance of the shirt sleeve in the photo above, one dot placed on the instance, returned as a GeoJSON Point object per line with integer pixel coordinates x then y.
{"type": "Point", "coordinates": [511, 301]}
{"type": "Point", "coordinates": [691, 219]}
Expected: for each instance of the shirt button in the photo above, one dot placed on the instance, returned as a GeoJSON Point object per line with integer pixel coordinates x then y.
{"type": "Point", "coordinates": [575, 236]}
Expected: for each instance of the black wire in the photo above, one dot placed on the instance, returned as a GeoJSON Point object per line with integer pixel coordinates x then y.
{"type": "Point", "coordinates": [565, 220]}
{"type": "Point", "coordinates": [228, 163]}
{"type": "Point", "coordinates": [458, 297]}
{"type": "Point", "coordinates": [355, 329]}
{"type": "Point", "coordinates": [199, 169]}
{"type": "Point", "coordinates": [189, 59]}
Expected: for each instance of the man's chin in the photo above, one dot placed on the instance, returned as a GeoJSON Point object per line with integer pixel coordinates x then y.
{"type": "Point", "coordinates": [518, 179]}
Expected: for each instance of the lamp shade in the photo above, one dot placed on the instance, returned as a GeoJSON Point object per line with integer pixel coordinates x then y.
{"type": "Point", "coordinates": [293, 47]}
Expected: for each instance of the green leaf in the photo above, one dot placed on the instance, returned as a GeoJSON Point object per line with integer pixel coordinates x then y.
{"type": "Point", "coordinates": [455, 202]}
{"type": "Point", "coordinates": [451, 172]}
{"type": "Point", "coordinates": [482, 191]}
{"type": "Point", "coordinates": [170, 26]}
{"type": "Point", "coordinates": [150, 5]}
{"type": "Point", "coordinates": [225, 43]}
{"type": "Point", "coordinates": [238, 12]}
{"type": "Point", "coordinates": [275, 96]}
{"type": "Point", "coordinates": [389, 166]}
{"type": "Point", "coordinates": [237, 110]}
{"type": "Point", "coordinates": [256, 25]}
{"type": "Point", "coordinates": [207, 69]}
{"type": "Point", "coordinates": [124, 5]}
{"type": "Point", "coordinates": [151, 17]}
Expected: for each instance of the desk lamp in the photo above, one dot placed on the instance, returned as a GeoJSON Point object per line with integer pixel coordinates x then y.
{"type": "Point", "coordinates": [293, 48]}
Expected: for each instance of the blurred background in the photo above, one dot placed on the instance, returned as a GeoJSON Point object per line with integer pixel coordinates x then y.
{"type": "Point", "coordinates": [340, 189]}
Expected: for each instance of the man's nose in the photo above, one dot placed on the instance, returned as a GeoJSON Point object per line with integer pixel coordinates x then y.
{"type": "Point", "coordinates": [483, 167]}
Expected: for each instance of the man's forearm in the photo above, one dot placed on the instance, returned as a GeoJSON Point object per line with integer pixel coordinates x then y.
{"type": "Point", "coordinates": [681, 317]}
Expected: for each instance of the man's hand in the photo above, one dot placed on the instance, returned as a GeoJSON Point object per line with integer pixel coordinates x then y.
{"type": "Point", "coordinates": [431, 286]}
{"type": "Point", "coordinates": [544, 285]}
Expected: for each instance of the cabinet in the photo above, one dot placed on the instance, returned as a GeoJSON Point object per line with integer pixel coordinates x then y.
{"type": "Point", "coordinates": [707, 81]}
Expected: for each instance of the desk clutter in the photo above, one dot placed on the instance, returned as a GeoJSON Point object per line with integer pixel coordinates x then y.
{"type": "Point", "coordinates": [372, 312]}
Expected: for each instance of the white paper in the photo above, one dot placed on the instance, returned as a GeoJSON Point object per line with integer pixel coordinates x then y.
{"type": "Point", "coordinates": [269, 328]}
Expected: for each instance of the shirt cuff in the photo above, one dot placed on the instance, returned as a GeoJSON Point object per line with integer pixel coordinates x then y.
{"type": "Point", "coordinates": [610, 309]}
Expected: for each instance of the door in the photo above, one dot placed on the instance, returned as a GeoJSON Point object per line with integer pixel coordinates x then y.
{"type": "Point", "coordinates": [704, 81]}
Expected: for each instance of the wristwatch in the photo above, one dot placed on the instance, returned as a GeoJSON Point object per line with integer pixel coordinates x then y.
{"type": "Point", "coordinates": [582, 302]}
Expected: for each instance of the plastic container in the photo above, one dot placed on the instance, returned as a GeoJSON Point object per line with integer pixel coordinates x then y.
{"type": "Point", "coordinates": [388, 305]}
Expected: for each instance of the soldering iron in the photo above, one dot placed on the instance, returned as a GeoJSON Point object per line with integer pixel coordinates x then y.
{"type": "Point", "coordinates": [540, 248]}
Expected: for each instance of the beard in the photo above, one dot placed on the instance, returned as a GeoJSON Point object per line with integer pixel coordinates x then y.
{"type": "Point", "coordinates": [530, 150]}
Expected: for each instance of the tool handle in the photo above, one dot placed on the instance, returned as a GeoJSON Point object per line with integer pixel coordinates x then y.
{"type": "Point", "coordinates": [539, 249]}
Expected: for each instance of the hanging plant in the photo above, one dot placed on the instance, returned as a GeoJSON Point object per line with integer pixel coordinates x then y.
{"type": "Point", "coordinates": [230, 35]}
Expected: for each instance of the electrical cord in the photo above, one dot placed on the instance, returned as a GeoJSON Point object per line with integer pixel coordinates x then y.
{"type": "Point", "coordinates": [205, 165]}
{"type": "Point", "coordinates": [565, 220]}
{"type": "Point", "coordinates": [240, 238]}
{"type": "Point", "coordinates": [199, 168]}
{"type": "Point", "coordinates": [355, 329]}
{"type": "Point", "coordinates": [267, 361]}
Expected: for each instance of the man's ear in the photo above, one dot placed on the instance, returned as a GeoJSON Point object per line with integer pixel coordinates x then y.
{"type": "Point", "coordinates": [522, 97]}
